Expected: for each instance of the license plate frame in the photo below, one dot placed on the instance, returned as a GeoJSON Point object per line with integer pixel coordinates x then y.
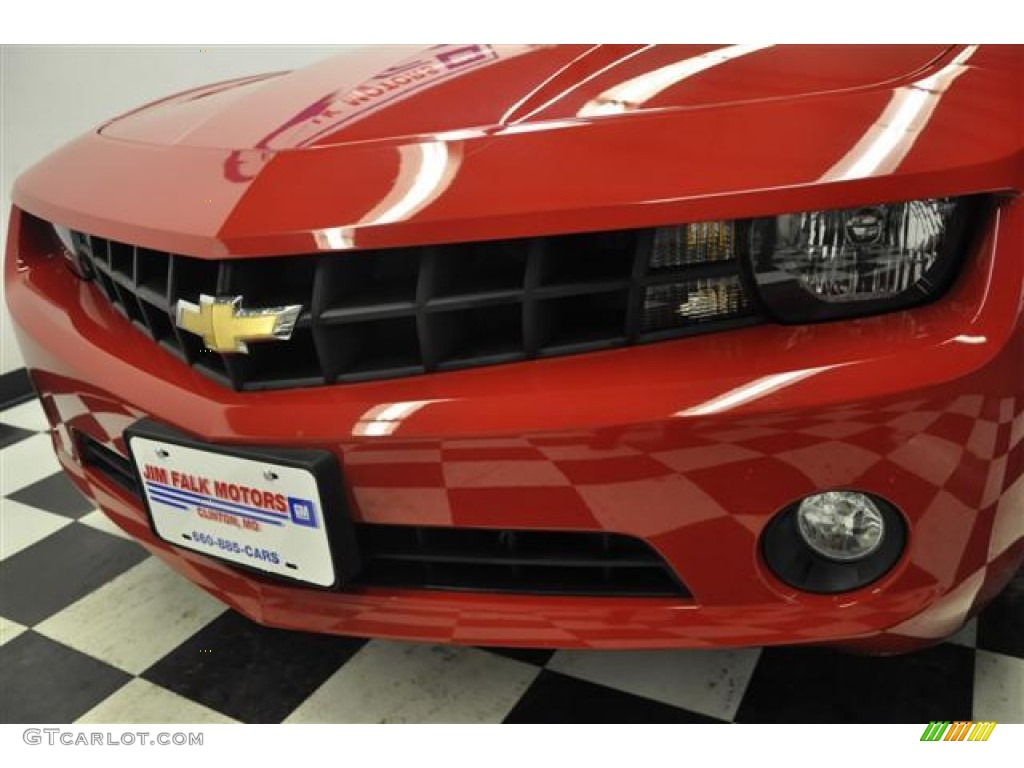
{"type": "Point", "coordinates": [288, 531]}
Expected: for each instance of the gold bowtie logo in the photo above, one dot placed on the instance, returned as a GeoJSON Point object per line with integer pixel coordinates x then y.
{"type": "Point", "coordinates": [226, 327]}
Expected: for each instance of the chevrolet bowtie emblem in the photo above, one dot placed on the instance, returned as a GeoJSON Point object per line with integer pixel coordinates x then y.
{"type": "Point", "coordinates": [226, 327]}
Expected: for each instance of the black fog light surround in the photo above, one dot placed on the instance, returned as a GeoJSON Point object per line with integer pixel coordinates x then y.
{"type": "Point", "coordinates": [835, 541]}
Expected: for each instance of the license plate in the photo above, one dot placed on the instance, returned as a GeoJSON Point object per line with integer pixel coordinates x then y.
{"type": "Point", "coordinates": [256, 511]}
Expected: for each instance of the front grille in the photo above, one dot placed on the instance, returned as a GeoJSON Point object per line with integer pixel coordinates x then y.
{"type": "Point", "coordinates": [478, 559]}
{"type": "Point", "coordinates": [404, 311]}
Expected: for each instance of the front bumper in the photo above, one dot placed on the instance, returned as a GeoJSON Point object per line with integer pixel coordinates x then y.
{"type": "Point", "coordinates": [691, 445]}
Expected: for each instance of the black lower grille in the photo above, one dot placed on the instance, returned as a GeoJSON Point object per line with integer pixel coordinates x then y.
{"type": "Point", "coordinates": [479, 559]}
{"type": "Point", "coordinates": [504, 560]}
{"type": "Point", "coordinates": [110, 464]}
{"type": "Point", "coordinates": [403, 311]}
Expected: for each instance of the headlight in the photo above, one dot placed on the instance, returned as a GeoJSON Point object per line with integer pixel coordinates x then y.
{"type": "Point", "coordinates": [804, 267]}
{"type": "Point", "coordinates": [822, 265]}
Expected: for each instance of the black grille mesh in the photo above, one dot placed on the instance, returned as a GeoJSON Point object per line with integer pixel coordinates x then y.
{"type": "Point", "coordinates": [404, 311]}
{"type": "Point", "coordinates": [478, 559]}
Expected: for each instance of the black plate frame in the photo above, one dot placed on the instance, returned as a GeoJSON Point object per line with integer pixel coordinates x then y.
{"type": "Point", "coordinates": [324, 467]}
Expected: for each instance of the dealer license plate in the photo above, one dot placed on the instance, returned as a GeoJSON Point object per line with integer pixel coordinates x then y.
{"type": "Point", "coordinates": [260, 514]}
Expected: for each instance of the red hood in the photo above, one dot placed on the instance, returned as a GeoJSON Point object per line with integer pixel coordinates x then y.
{"type": "Point", "coordinates": [457, 143]}
{"type": "Point", "coordinates": [397, 92]}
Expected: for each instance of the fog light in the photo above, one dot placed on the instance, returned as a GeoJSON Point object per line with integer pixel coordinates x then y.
{"type": "Point", "coordinates": [834, 541]}
{"type": "Point", "coordinates": [841, 525]}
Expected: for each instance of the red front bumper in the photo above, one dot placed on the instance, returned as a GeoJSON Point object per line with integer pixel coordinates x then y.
{"type": "Point", "coordinates": [691, 445]}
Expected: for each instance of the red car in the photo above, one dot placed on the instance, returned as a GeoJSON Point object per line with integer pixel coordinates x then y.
{"type": "Point", "coordinates": [568, 346]}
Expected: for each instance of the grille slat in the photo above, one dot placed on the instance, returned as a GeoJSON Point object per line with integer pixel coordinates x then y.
{"type": "Point", "coordinates": [235, 366]}
{"type": "Point", "coordinates": [634, 310]}
{"type": "Point", "coordinates": [458, 558]}
{"type": "Point", "coordinates": [536, 253]}
{"type": "Point", "coordinates": [321, 339]}
{"type": "Point", "coordinates": [424, 291]}
{"type": "Point", "coordinates": [341, 315]}
{"type": "Point", "coordinates": [590, 563]}
{"type": "Point", "coordinates": [405, 311]}
{"type": "Point", "coordinates": [110, 463]}
{"type": "Point", "coordinates": [173, 290]}
{"type": "Point", "coordinates": [122, 262]}
{"type": "Point", "coordinates": [99, 251]}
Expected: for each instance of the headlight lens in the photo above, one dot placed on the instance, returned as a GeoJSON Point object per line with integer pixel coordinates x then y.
{"type": "Point", "coordinates": [822, 265]}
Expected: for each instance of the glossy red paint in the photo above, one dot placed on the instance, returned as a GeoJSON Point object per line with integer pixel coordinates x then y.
{"type": "Point", "coordinates": [924, 407]}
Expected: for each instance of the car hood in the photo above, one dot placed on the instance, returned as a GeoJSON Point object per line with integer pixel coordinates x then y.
{"type": "Point", "coordinates": [392, 147]}
{"type": "Point", "coordinates": [397, 91]}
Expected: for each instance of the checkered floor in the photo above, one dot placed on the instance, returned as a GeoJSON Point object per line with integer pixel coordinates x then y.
{"type": "Point", "coordinates": [92, 630]}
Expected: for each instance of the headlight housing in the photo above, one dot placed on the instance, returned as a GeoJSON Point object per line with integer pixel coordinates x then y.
{"type": "Point", "coordinates": [824, 265]}
{"type": "Point", "coordinates": [807, 267]}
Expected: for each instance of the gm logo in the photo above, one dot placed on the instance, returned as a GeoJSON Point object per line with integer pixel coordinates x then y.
{"type": "Point", "coordinates": [959, 731]}
{"type": "Point", "coordinates": [303, 511]}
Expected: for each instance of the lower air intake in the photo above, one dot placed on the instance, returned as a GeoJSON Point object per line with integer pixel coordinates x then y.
{"type": "Point", "coordinates": [502, 560]}
{"type": "Point", "coordinates": [479, 559]}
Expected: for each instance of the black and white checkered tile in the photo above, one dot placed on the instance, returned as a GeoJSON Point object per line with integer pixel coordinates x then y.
{"type": "Point", "coordinates": [92, 630]}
